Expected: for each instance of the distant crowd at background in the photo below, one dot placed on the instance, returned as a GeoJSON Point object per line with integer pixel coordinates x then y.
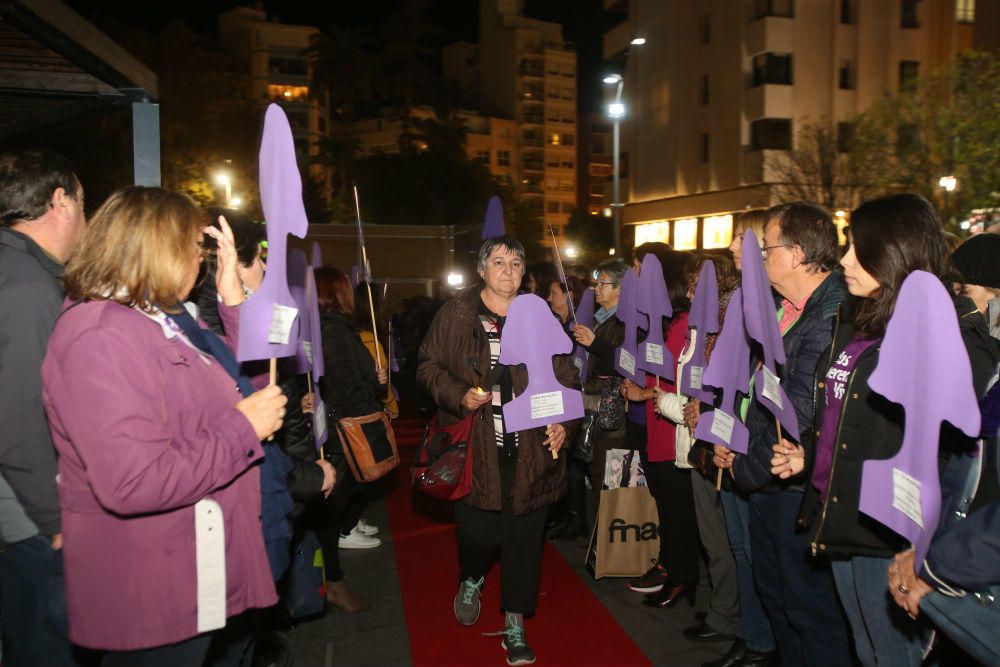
{"type": "Point", "coordinates": [148, 515]}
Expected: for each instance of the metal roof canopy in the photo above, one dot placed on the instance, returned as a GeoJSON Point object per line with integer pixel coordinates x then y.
{"type": "Point", "coordinates": [56, 67]}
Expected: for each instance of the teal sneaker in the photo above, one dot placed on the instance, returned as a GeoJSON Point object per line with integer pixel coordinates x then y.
{"type": "Point", "coordinates": [467, 601]}
{"type": "Point", "coordinates": [518, 651]}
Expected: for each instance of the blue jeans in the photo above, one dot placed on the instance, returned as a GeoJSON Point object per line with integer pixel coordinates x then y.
{"type": "Point", "coordinates": [883, 633]}
{"type": "Point", "coordinates": [754, 628]}
{"type": "Point", "coordinates": [797, 590]}
{"type": "Point", "coordinates": [33, 605]}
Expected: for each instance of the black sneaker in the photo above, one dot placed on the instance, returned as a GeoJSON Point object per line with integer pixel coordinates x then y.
{"type": "Point", "coordinates": [518, 651]}
{"type": "Point", "coordinates": [651, 582]}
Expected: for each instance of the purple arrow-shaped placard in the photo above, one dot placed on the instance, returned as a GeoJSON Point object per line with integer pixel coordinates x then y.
{"type": "Point", "coordinates": [922, 365]}
{"type": "Point", "coordinates": [264, 317]}
{"type": "Point", "coordinates": [532, 336]}
{"type": "Point", "coordinates": [627, 352]}
{"type": "Point", "coordinates": [584, 317]}
{"type": "Point", "coordinates": [761, 320]}
{"type": "Point", "coordinates": [317, 256]}
{"type": "Point", "coordinates": [318, 363]}
{"type": "Point", "coordinates": [493, 224]}
{"type": "Point", "coordinates": [729, 371]}
{"type": "Point", "coordinates": [702, 320]}
{"type": "Point", "coordinates": [653, 301]}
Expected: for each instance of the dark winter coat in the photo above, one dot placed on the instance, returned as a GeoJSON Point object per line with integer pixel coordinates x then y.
{"type": "Point", "coordinates": [454, 357]}
{"type": "Point", "coordinates": [350, 387]}
{"type": "Point", "coordinates": [608, 335]}
{"type": "Point", "coordinates": [871, 427]}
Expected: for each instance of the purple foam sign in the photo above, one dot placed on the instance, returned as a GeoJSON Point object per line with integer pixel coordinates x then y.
{"type": "Point", "coordinates": [653, 301]}
{"type": "Point", "coordinates": [904, 492]}
{"type": "Point", "coordinates": [584, 317]}
{"type": "Point", "coordinates": [317, 256]}
{"type": "Point", "coordinates": [318, 363]}
{"type": "Point", "coordinates": [729, 371]}
{"type": "Point", "coordinates": [625, 355]}
{"type": "Point", "coordinates": [493, 224]}
{"type": "Point", "coordinates": [355, 276]}
{"type": "Point", "coordinates": [267, 318]}
{"type": "Point", "coordinates": [761, 320]}
{"type": "Point", "coordinates": [532, 336]}
{"type": "Point", "coordinates": [702, 320]}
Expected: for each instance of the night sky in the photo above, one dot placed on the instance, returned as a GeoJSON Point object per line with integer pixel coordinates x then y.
{"type": "Point", "coordinates": [582, 21]}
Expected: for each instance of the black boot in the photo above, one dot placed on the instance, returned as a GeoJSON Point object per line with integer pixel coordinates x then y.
{"type": "Point", "coordinates": [574, 523]}
{"type": "Point", "coordinates": [732, 657]}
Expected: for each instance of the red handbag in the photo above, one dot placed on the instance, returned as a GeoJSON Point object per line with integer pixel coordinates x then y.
{"type": "Point", "coordinates": [442, 465]}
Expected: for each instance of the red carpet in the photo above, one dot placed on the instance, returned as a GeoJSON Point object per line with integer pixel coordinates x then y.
{"type": "Point", "coordinates": [571, 626]}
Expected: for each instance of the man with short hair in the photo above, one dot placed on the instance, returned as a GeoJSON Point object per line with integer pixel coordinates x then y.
{"type": "Point", "coordinates": [41, 222]}
{"type": "Point", "coordinates": [800, 254]}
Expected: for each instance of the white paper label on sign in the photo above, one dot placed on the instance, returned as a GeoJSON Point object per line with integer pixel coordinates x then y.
{"type": "Point", "coordinates": [627, 362]}
{"type": "Point", "coordinates": [654, 353]}
{"type": "Point", "coordinates": [771, 388]}
{"type": "Point", "coordinates": [578, 362]}
{"type": "Point", "coordinates": [319, 419]}
{"type": "Point", "coordinates": [282, 319]}
{"type": "Point", "coordinates": [694, 374]}
{"type": "Point", "coordinates": [549, 404]}
{"type": "Point", "coordinates": [722, 426]}
{"type": "Point", "coordinates": [906, 496]}
{"type": "Point", "coordinates": [307, 347]}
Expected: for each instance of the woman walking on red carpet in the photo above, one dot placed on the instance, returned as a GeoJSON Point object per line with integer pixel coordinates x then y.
{"type": "Point", "coordinates": [515, 477]}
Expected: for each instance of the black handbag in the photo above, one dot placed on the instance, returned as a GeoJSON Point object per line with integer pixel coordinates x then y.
{"type": "Point", "coordinates": [583, 445]}
{"type": "Point", "coordinates": [611, 410]}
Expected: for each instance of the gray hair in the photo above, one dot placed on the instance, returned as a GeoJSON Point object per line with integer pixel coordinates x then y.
{"type": "Point", "coordinates": [614, 268]}
{"type": "Point", "coordinates": [508, 243]}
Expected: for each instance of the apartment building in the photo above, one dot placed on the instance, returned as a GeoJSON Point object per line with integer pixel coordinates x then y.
{"type": "Point", "coordinates": [720, 87]}
{"type": "Point", "coordinates": [274, 58]}
{"type": "Point", "coordinates": [489, 140]}
{"type": "Point", "coordinates": [527, 73]}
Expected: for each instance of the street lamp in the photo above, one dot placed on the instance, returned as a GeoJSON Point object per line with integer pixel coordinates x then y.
{"type": "Point", "coordinates": [948, 184]}
{"type": "Point", "coordinates": [235, 202]}
{"type": "Point", "coordinates": [616, 111]}
{"type": "Point", "coordinates": [223, 179]}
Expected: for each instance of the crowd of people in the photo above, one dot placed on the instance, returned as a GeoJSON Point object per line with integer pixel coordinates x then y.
{"type": "Point", "coordinates": [152, 487]}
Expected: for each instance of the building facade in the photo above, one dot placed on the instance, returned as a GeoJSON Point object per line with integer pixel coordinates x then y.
{"type": "Point", "coordinates": [720, 88]}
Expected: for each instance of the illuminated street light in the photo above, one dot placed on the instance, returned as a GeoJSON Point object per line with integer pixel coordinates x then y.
{"type": "Point", "coordinates": [616, 110]}
{"type": "Point", "coordinates": [949, 183]}
{"type": "Point", "coordinates": [455, 279]}
{"type": "Point", "coordinates": [571, 252]}
{"type": "Point", "coordinates": [638, 41]}
{"type": "Point", "coordinates": [235, 202]}
{"type": "Point", "coordinates": [612, 78]}
{"type": "Point", "coordinates": [223, 179]}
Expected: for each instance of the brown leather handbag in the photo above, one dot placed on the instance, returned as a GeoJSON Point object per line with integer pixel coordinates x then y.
{"type": "Point", "coordinates": [369, 445]}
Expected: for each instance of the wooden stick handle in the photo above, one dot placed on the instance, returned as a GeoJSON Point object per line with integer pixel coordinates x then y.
{"type": "Point", "coordinates": [718, 480]}
{"type": "Point", "coordinates": [272, 381]}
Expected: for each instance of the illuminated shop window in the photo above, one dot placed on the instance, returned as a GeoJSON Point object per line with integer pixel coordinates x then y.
{"type": "Point", "coordinates": [717, 231]}
{"type": "Point", "coordinates": [686, 234]}
{"type": "Point", "coordinates": [652, 231]}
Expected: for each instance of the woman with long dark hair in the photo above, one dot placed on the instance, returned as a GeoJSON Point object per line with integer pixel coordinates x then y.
{"type": "Point", "coordinates": [891, 237]}
{"type": "Point", "coordinates": [353, 386]}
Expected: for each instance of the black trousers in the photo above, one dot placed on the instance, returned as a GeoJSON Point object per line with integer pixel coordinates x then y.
{"type": "Point", "coordinates": [679, 542]}
{"type": "Point", "coordinates": [329, 517]}
{"type": "Point", "coordinates": [520, 539]}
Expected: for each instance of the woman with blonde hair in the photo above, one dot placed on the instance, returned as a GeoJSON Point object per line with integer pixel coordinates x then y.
{"type": "Point", "coordinates": [158, 438]}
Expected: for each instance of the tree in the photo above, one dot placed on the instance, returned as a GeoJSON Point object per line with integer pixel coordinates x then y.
{"type": "Point", "coordinates": [820, 168]}
{"type": "Point", "coordinates": [942, 124]}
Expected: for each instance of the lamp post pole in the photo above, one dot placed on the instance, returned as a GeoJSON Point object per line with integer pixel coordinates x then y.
{"type": "Point", "coordinates": [616, 207]}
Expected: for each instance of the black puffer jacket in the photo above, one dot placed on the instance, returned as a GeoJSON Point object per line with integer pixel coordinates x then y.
{"type": "Point", "coordinates": [608, 335]}
{"type": "Point", "coordinates": [350, 387]}
{"type": "Point", "coordinates": [871, 427]}
{"type": "Point", "coordinates": [305, 481]}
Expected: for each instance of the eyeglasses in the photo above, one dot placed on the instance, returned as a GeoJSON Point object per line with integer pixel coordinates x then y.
{"type": "Point", "coordinates": [772, 247]}
{"type": "Point", "coordinates": [604, 283]}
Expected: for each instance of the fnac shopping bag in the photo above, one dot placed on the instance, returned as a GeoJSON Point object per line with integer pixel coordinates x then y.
{"type": "Point", "coordinates": [306, 594]}
{"type": "Point", "coordinates": [626, 535]}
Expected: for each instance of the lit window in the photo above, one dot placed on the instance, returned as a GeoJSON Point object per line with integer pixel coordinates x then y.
{"type": "Point", "coordinates": [652, 231]}
{"type": "Point", "coordinates": [554, 139]}
{"type": "Point", "coordinates": [717, 231]}
{"type": "Point", "coordinates": [686, 234]}
{"type": "Point", "coordinates": [288, 93]}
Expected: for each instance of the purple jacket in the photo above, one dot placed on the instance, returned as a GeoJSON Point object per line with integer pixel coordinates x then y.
{"type": "Point", "coordinates": [145, 427]}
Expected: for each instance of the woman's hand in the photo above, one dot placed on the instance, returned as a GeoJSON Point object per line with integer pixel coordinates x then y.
{"type": "Point", "coordinates": [227, 278]}
{"type": "Point", "coordinates": [723, 457]}
{"type": "Point", "coordinates": [583, 335]}
{"type": "Point", "coordinates": [329, 476]}
{"type": "Point", "coordinates": [383, 375]}
{"type": "Point", "coordinates": [308, 403]}
{"type": "Point", "coordinates": [635, 393]}
{"type": "Point", "coordinates": [473, 399]}
{"type": "Point", "coordinates": [788, 460]}
{"type": "Point", "coordinates": [906, 587]}
{"type": "Point", "coordinates": [265, 409]}
{"type": "Point", "coordinates": [657, 393]}
{"type": "Point", "coordinates": [556, 437]}
{"type": "Point", "coordinates": [692, 411]}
